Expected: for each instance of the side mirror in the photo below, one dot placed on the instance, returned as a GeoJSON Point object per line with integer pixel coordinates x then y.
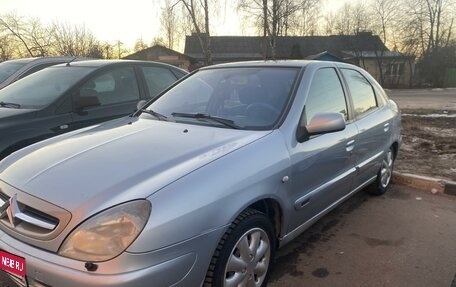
{"type": "Point", "coordinates": [88, 101]}
{"type": "Point", "coordinates": [321, 123]}
{"type": "Point", "coordinates": [140, 104]}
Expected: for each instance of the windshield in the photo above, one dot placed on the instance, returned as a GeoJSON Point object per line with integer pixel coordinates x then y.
{"type": "Point", "coordinates": [43, 87]}
{"type": "Point", "coordinates": [7, 69]}
{"type": "Point", "coordinates": [250, 98]}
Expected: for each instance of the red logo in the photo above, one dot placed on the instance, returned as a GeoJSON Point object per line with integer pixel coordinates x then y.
{"type": "Point", "coordinates": [12, 263]}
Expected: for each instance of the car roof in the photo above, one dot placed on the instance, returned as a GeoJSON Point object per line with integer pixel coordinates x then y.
{"type": "Point", "coordinates": [267, 63]}
{"type": "Point", "coordinates": [23, 60]}
{"type": "Point", "coordinates": [278, 63]}
{"type": "Point", "coordinates": [105, 62]}
{"type": "Point", "coordinates": [43, 59]}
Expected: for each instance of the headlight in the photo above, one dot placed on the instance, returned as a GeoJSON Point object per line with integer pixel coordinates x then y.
{"type": "Point", "coordinates": [107, 234]}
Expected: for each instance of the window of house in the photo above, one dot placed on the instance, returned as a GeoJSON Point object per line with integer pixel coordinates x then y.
{"type": "Point", "coordinates": [395, 69]}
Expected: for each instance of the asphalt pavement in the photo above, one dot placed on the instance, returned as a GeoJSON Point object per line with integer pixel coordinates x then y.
{"type": "Point", "coordinates": [432, 99]}
{"type": "Point", "coordinates": [403, 238]}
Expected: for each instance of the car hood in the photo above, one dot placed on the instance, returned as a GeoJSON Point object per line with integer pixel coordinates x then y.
{"type": "Point", "coordinates": [118, 161]}
{"type": "Point", "coordinates": [9, 113]}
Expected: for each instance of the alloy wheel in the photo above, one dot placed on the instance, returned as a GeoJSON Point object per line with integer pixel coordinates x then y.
{"type": "Point", "coordinates": [249, 260]}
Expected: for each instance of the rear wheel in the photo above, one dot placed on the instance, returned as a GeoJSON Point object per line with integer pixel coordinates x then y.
{"type": "Point", "coordinates": [382, 183]}
{"type": "Point", "coordinates": [244, 254]}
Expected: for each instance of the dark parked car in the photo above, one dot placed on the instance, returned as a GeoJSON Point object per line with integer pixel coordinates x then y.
{"type": "Point", "coordinates": [69, 96]}
{"type": "Point", "coordinates": [13, 70]}
{"type": "Point", "coordinates": [201, 185]}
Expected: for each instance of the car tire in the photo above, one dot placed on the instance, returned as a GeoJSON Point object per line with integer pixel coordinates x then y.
{"type": "Point", "coordinates": [384, 175]}
{"type": "Point", "coordinates": [244, 254]}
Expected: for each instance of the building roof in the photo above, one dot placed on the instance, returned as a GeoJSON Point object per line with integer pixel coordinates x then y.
{"type": "Point", "coordinates": [142, 54]}
{"type": "Point", "coordinates": [251, 47]}
{"type": "Point", "coordinates": [327, 56]}
{"type": "Point", "coordinates": [375, 54]}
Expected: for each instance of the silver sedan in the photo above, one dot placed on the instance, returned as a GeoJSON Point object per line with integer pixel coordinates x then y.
{"type": "Point", "coordinates": [202, 184]}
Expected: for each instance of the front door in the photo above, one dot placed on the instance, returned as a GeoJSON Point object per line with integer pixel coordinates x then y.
{"type": "Point", "coordinates": [113, 93]}
{"type": "Point", "coordinates": [322, 167]}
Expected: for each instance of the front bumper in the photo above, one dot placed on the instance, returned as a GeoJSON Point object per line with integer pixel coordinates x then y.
{"type": "Point", "coordinates": [183, 264]}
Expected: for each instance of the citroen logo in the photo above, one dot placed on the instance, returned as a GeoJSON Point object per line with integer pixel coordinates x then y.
{"type": "Point", "coordinates": [10, 208]}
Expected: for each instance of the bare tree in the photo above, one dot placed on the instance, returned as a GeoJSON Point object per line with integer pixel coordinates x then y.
{"type": "Point", "coordinates": [139, 45]}
{"type": "Point", "coordinates": [158, 41]}
{"type": "Point", "coordinates": [171, 24]}
{"type": "Point", "coordinates": [351, 19]}
{"type": "Point", "coordinates": [120, 49]}
{"type": "Point", "coordinates": [28, 36]}
{"type": "Point", "coordinates": [428, 33]}
{"type": "Point", "coordinates": [329, 23]}
{"type": "Point", "coordinates": [198, 11]}
{"type": "Point", "coordinates": [39, 37]}
{"type": "Point", "coordinates": [430, 25]}
{"type": "Point", "coordinates": [273, 17]}
{"type": "Point", "coordinates": [306, 21]}
{"type": "Point", "coordinates": [6, 51]}
{"type": "Point", "coordinates": [73, 40]}
{"type": "Point", "coordinates": [108, 50]}
{"type": "Point", "coordinates": [385, 14]}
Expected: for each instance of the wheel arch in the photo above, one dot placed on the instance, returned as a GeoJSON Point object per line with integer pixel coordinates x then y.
{"type": "Point", "coordinates": [395, 147]}
{"type": "Point", "coordinates": [273, 211]}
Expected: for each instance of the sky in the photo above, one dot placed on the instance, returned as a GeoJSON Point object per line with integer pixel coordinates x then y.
{"type": "Point", "coordinates": [125, 21]}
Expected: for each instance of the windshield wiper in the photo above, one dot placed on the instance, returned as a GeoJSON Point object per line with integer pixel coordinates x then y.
{"type": "Point", "coordinates": [225, 122]}
{"type": "Point", "coordinates": [9, 105]}
{"type": "Point", "coordinates": [155, 114]}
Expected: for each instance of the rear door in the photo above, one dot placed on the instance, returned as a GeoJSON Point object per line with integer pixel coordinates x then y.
{"type": "Point", "coordinates": [373, 121]}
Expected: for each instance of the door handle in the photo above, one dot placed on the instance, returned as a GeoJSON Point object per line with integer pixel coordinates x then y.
{"type": "Point", "coordinates": [386, 127]}
{"type": "Point", "coordinates": [350, 145]}
{"type": "Point", "coordinates": [61, 128]}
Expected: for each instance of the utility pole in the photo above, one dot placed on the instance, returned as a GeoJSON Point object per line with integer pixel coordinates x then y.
{"type": "Point", "coordinates": [119, 43]}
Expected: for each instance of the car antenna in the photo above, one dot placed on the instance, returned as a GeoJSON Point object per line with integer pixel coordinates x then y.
{"type": "Point", "coordinates": [68, 63]}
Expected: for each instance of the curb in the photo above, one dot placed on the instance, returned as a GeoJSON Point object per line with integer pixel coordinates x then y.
{"type": "Point", "coordinates": [425, 183]}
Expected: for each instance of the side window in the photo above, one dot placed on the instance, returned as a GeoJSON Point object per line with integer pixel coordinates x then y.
{"type": "Point", "coordinates": [361, 90]}
{"type": "Point", "coordinates": [325, 95]}
{"type": "Point", "coordinates": [112, 87]}
{"type": "Point", "coordinates": [157, 79]}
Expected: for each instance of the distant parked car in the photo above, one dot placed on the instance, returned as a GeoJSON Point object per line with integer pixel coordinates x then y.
{"type": "Point", "coordinates": [13, 70]}
{"type": "Point", "coordinates": [69, 96]}
{"type": "Point", "coordinates": [201, 185]}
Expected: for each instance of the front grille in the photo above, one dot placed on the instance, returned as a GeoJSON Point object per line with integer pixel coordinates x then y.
{"type": "Point", "coordinates": [22, 217]}
{"type": "Point", "coordinates": [19, 281]}
{"type": "Point", "coordinates": [27, 217]}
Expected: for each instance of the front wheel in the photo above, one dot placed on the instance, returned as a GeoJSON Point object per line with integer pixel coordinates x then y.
{"type": "Point", "coordinates": [382, 183]}
{"type": "Point", "coordinates": [244, 254]}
